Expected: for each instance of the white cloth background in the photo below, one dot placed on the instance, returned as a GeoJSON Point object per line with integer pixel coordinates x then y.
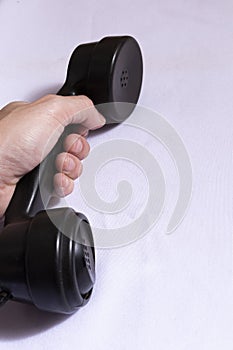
{"type": "Point", "coordinates": [162, 292]}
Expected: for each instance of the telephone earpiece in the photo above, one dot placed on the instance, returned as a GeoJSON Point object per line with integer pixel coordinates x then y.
{"type": "Point", "coordinates": [39, 264]}
{"type": "Point", "coordinates": [107, 71]}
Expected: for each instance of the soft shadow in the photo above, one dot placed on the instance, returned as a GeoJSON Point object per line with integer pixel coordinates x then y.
{"type": "Point", "coordinates": [104, 129]}
{"type": "Point", "coordinates": [19, 321]}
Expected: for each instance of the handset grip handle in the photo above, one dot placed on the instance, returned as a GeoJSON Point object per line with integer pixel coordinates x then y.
{"type": "Point", "coordinates": [34, 190]}
{"type": "Point", "coordinates": [27, 199]}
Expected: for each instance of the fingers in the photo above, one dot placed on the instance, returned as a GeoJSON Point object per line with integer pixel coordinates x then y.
{"type": "Point", "coordinates": [69, 165]}
{"type": "Point", "coordinates": [87, 115]}
{"type": "Point", "coordinates": [69, 168]}
{"type": "Point", "coordinates": [63, 185]}
{"type": "Point", "coordinates": [71, 110]}
{"type": "Point", "coordinates": [79, 129]}
{"type": "Point", "coordinates": [76, 145]}
{"type": "Point", "coordinates": [44, 120]}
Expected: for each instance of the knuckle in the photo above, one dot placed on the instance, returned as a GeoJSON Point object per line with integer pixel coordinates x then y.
{"type": "Point", "coordinates": [86, 101]}
{"type": "Point", "coordinates": [53, 105]}
{"type": "Point", "coordinates": [50, 97]}
{"type": "Point", "coordinates": [52, 100]}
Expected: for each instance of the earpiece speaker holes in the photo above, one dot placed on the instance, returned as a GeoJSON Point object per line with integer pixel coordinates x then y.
{"type": "Point", "coordinates": [124, 78]}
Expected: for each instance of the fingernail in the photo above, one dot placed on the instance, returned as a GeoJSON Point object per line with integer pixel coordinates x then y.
{"type": "Point", "coordinates": [69, 164]}
{"type": "Point", "coordinates": [77, 146]}
{"type": "Point", "coordinates": [65, 182]}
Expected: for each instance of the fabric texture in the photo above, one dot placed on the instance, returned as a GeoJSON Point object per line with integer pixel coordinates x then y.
{"type": "Point", "coordinates": [163, 291]}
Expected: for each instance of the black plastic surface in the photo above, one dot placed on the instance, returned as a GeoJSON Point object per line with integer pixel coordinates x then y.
{"type": "Point", "coordinates": [40, 264]}
{"type": "Point", "coordinates": [110, 71]}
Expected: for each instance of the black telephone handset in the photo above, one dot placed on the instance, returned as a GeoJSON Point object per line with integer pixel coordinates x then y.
{"type": "Point", "coordinates": [39, 262]}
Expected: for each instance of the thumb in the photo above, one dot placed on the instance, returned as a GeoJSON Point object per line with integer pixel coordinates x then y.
{"type": "Point", "coordinates": [72, 110]}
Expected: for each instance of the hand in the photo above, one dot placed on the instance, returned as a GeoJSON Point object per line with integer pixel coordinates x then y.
{"type": "Point", "coordinates": [28, 132]}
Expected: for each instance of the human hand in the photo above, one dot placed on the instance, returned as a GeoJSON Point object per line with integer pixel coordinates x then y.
{"type": "Point", "coordinates": [28, 132]}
